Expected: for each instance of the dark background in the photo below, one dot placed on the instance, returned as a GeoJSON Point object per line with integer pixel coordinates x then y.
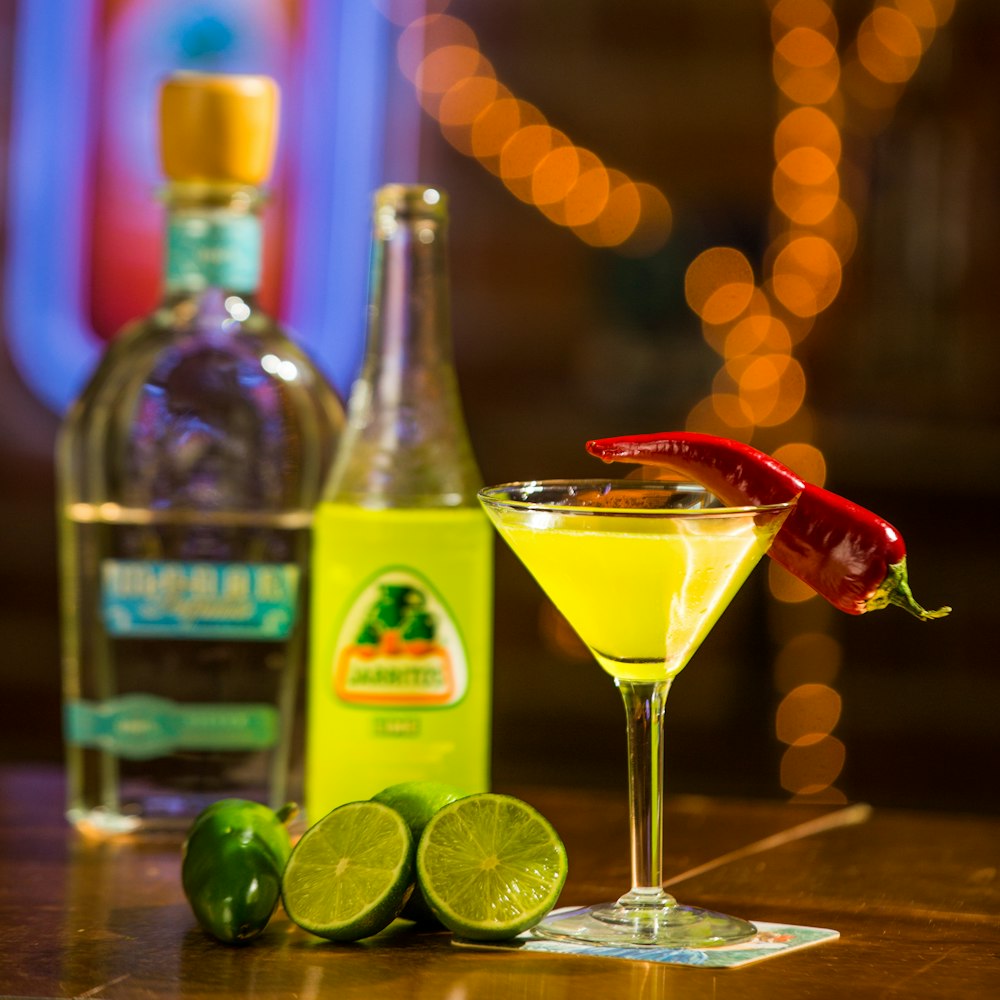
{"type": "Point", "coordinates": [902, 374]}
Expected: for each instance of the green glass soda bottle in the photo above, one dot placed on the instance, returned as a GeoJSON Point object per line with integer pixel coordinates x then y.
{"type": "Point", "coordinates": [188, 471]}
{"type": "Point", "coordinates": [400, 684]}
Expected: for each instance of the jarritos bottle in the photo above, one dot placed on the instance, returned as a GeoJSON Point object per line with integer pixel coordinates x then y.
{"type": "Point", "coordinates": [400, 665]}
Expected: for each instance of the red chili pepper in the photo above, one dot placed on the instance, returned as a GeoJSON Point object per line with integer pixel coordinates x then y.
{"type": "Point", "coordinates": [847, 554]}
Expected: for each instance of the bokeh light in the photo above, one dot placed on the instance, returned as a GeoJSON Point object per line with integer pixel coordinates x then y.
{"type": "Point", "coordinates": [889, 45]}
{"type": "Point", "coordinates": [619, 218]}
{"type": "Point", "coordinates": [808, 657]}
{"type": "Point", "coordinates": [806, 275]}
{"type": "Point", "coordinates": [813, 14]}
{"type": "Point", "coordinates": [718, 284]}
{"type": "Point", "coordinates": [786, 588]}
{"type": "Point", "coordinates": [804, 459]}
{"type": "Point", "coordinates": [455, 84]}
{"type": "Point", "coordinates": [813, 767]}
{"type": "Point", "coordinates": [807, 714]}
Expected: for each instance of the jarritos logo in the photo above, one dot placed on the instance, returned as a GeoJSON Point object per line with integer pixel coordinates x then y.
{"type": "Point", "coordinates": [399, 646]}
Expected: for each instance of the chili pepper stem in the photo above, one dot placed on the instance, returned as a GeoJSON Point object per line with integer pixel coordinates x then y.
{"type": "Point", "coordinates": [895, 589]}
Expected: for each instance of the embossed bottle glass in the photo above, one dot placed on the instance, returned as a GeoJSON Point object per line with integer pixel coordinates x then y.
{"type": "Point", "coordinates": [188, 470]}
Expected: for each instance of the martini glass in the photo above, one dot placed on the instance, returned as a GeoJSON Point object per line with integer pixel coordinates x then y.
{"type": "Point", "coordinates": [642, 570]}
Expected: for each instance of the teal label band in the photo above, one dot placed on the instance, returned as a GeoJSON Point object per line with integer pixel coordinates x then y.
{"type": "Point", "coordinates": [199, 600]}
{"type": "Point", "coordinates": [140, 726]}
{"type": "Point", "coordinates": [220, 251]}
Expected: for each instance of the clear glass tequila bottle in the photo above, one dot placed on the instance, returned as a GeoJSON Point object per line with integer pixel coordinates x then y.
{"type": "Point", "coordinates": [188, 470]}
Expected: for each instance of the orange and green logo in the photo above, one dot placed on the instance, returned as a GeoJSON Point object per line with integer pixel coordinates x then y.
{"type": "Point", "coordinates": [399, 646]}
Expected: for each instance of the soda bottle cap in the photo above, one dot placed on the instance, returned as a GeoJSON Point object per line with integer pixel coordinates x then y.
{"type": "Point", "coordinates": [218, 128]}
{"type": "Point", "coordinates": [414, 201]}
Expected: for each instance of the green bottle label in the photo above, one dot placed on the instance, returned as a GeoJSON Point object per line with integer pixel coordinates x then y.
{"type": "Point", "coordinates": [399, 646]}
{"type": "Point", "coordinates": [400, 678]}
{"type": "Point", "coordinates": [222, 251]}
{"type": "Point", "coordinates": [141, 726]}
{"type": "Point", "coordinates": [199, 600]}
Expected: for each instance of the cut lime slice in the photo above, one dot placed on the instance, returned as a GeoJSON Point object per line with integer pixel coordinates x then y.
{"type": "Point", "coordinates": [350, 874]}
{"type": "Point", "coordinates": [417, 802]}
{"type": "Point", "coordinates": [490, 866]}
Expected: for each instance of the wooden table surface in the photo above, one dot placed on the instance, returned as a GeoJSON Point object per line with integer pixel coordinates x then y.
{"type": "Point", "coordinates": [915, 896]}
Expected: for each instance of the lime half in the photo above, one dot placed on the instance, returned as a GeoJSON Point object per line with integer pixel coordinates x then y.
{"type": "Point", "coordinates": [417, 802]}
{"type": "Point", "coordinates": [350, 874]}
{"type": "Point", "coordinates": [490, 866]}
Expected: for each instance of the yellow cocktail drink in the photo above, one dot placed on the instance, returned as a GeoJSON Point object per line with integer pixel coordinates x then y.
{"type": "Point", "coordinates": [642, 593]}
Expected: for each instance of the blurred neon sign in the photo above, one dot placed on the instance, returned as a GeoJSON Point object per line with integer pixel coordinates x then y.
{"type": "Point", "coordinates": [84, 227]}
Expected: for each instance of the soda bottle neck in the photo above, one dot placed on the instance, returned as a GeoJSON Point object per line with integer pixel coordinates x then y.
{"type": "Point", "coordinates": [409, 329]}
{"type": "Point", "coordinates": [406, 443]}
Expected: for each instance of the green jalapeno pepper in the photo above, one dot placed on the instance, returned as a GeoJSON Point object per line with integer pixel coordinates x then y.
{"type": "Point", "coordinates": [231, 867]}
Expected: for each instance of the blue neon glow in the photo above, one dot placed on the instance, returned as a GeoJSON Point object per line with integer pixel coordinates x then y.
{"type": "Point", "coordinates": [339, 161]}
{"type": "Point", "coordinates": [50, 340]}
{"type": "Point", "coordinates": [334, 126]}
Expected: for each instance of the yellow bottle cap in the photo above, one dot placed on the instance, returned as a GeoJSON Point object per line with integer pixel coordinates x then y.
{"type": "Point", "coordinates": [218, 128]}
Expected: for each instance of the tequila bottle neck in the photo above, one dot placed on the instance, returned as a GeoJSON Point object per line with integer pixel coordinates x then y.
{"type": "Point", "coordinates": [213, 239]}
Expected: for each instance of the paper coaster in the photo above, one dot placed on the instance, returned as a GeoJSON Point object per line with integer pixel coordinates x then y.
{"type": "Point", "coordinates": [771, 940]}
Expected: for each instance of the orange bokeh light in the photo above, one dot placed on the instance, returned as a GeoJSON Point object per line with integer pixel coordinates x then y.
{"type": "Point", "coordinates": [654, 224]}
{"type": "Point", "coordinates": [840, 229]}
{"type": "Point", "coordinates": [719, 284]}
{"type": "Point", "coordinates": [809, 769]}
{"type": "Point", "coordinates": [496, 124]}
{"type": "Point", "coordinates": [425, 34]}
{"type": "Point", "coordinates": [757, 332]}
{"type": "Point", "coordinates": [804, 459]}
{"type": "Point", "coordinates": [922, 14]}
{"type": "Point", "coordinates": [730, 409]}
{"type": "Point", "coordinates": [589, 196]}
{"type": "Point", "coordinates": [889, 46]}
{"type": "Point", "coordinates": [809, 657]}
{"type": "Point", "coordinates": [618, 219]}
{"type": "Point", "coordinates": [806, 275]}
{"type": "Point", "coordinates": [807, 714]}
{"type": "Point", "coordinates": [480, 117]}
{"type": "Point", "coordinates": [555, 175]}
{"type": "Point", "coordinates": [786, 15]}
{"type": "Point", "coordinates": [463, 102]}
{"type": "Point", "coordinates": [805, 66]}
{"type": "Point", "coordinates": [705, 417]}
{"type": "Point", "coordinates": [806, 203]}
{"type": "Point", "coordinates": [522, 153]}
{"type": "Point", "coordinates": [807, 126]}
{"type": "Point", "coordinates": [791, 392]}
{"type": "Point", "coordinates": [764, 386]}
{"type": "Point", "coordinates": [443, 67]}
{"type": "Point", "coordinates": [787, 588]}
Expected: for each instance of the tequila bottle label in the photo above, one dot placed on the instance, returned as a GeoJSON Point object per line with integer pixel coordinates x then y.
{"type": "Point", "coordinates": [142, 726]}
{"type": "Point", "coordinates": [199, 600]}
{"type": "Point", "coordinates": [213, 252]}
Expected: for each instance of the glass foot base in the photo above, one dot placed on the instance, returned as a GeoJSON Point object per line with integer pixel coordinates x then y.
{"type": "Point", "coordinates": [669, 926]}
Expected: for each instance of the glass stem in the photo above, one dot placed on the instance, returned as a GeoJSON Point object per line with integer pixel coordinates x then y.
{"type": "Point", "coordinates": [644, 705]}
